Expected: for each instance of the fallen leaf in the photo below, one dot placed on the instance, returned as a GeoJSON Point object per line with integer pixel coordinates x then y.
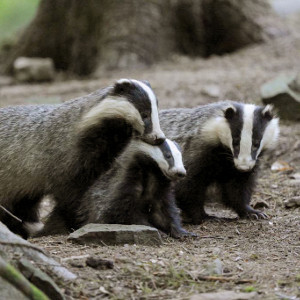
{"type": "Point", "coordinates": [281, 166]}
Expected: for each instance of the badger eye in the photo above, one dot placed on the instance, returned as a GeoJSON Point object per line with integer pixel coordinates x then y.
{"type": "Point", "coordinates": [168, 156]}
{"type": "Point", "coordinates": [256, 144]}
{"type": "Point", "coordinates": [235, 141]}
{"type": "Point", "coordinates": [145, 115]}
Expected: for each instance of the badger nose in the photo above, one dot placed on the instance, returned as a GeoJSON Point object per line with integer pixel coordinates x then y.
{"type": "Point", "coordinates": [180, 174]}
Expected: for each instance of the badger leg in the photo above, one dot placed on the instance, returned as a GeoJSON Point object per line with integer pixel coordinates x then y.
{"type": "Point", "coordinates": [237, 193]}
{"type": "Point", "coordinates": [26, 209]}
{"type": "Point", "coordinates": [190, 197]}
{"type": "Point", "coordinates": [165, 216]}
{"type": "Point", "coordinates": [55, 223]}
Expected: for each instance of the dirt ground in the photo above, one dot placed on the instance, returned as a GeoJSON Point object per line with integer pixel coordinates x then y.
{"type": "Point", "coordinates": [256, 255]}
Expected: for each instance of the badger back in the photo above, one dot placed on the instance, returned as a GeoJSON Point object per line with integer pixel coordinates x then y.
{"type": "Point", "coordinates": [246, 129]}
{"type": "Point", "coordinates": [167, 156]}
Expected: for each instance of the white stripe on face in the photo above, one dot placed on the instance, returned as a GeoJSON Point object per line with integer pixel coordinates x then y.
{"type": "Point", "coordinates": [244, 161]}
{"type": "Point", "coordinates": [177, 156]}
{"type": "Point", "coordinates": [270, 136]}
{"type": "Point", "coordinates": [156, 130]}
{"type": "Point", "coordinates": [122, 80]}
{"type": "Point", "coordinates": [154, 152]}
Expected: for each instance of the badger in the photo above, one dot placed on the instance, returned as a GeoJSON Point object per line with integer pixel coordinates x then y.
{"type": "Point", "coordinates": [136, 190]}
{"type": "Point", "coordinates": [222, 143]}
{"type": "Point", "coordinates": [59, 150]}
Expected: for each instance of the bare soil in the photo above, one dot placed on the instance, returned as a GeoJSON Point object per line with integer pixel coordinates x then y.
{"type": "Point", "coordinates": [257, 255]}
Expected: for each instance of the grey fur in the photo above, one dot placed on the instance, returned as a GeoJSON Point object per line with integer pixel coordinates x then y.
{"type": "Point", "coordinates": [44, 151]}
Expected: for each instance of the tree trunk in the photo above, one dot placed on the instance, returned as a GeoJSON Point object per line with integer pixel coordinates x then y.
{"type": "Point", "coordinates": [233, 24]}
{"type": "Point", "coordinates": [65, 30]}
{"type": "Point", "coordinates": [134, 32]}
{"type": "Point", "coordinates": [81, 36]}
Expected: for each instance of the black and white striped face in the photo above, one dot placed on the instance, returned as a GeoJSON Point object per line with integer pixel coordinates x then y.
{"type": "Point", "coordinates": [140, 94]}
{"type": "Point", "coordinates": [250, 130]}
{"type": "Point", "coordinates": [168, 157]}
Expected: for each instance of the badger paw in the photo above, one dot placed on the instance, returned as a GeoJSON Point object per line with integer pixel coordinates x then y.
{"type": "Point", "coordinates": [179, 233]}
{"type": "Point", "coordinates": [252, 213]}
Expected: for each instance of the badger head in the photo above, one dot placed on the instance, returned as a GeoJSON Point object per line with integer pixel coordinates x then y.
{"type": "Point", "coordinates": [246, 129]}
{"type": "Point", "coordinates": [142, 97]}
{"type": "Point", "coordinates": [168, 157]}
{"type": "Point", "coordinates": [253, 129]}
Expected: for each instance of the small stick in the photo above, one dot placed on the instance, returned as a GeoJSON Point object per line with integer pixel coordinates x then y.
{"type": "Point", "coordinates": [75, 257]}
{"type": "Point", "coordinates": [210, 237]}
{"type": "Point", "coordinates": [11, 214]}
{"type": "Point", "coordinates": [224, 279]}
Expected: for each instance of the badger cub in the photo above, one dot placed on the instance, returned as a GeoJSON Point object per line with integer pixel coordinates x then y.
{"type": "Point", "coordinates": [137, 189]}
{"type": "Point", "coordinates": [60, 150]}
{"type": "Point", "coordinates": [222, 143]}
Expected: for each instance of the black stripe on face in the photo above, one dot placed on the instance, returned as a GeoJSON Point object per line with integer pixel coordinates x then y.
{"type": "Point", "coordinates": [136, 95]}
{"type": "Point", "coordinates": [260, 122]}
{"type": "Point", "coordinates": [235, 121]}
{"type": "Point", "coordinates": [167, 153]}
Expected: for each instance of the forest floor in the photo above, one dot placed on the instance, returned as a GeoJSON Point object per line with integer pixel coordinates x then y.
{"type": "Point", "coordinates": [256, 255]}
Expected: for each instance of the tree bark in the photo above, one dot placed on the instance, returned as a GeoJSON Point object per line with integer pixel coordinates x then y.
{"type": "Point", "coordinates": [233, 24]}
{"type": "Point", "coordinates": [13, 245]}
{"type": "Point", "coordinates": [81, 36]}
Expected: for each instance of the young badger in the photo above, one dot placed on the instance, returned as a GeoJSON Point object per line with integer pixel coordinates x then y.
{"type": "Point", "coordinates": [221, 143]}
{"type": "Point", "coordinates": [60, 150]}
{"type": "Point", "coordinates": [137, 189]}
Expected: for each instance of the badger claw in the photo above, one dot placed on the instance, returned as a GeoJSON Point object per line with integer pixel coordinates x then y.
{"type": "Point", "coordinates": [182, 233]}
{"type": "Point", "coordinates": [255, 213]}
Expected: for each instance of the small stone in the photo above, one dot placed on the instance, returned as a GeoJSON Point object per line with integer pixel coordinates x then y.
{"type": "Point", "coordinates": [295, 176]}
{"type": "Point", "coordinates": [224, 295]}
{"type": "Point", "coordinates": [103, 290]}
{"type": "Point", "coordinates": [260, 204]}
{"type": "Point", "coordinates": [99, 263]}
{"type": "Point", "coordinates": [292, 202]}
{"type": "Point", "coordinates": [28, 69]}
{"type": "Point", "coordinates": [214, 268]}
{"type": "Point", "coordinates": [284, 93]}
{"type": "Point", "coordinates": [76, 263]}
{"type": "Point", "coordinates": [115, 234]}
{"type": "Point", "coordinates": [40, 279]}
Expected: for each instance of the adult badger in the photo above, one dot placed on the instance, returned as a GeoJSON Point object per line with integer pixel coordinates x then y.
{"type": "Point", "coordinates": [137, 189]}
{"type": "Point", "coordinates": [221, 143]}
{"type": "Point", "coordinates": [60, 150]}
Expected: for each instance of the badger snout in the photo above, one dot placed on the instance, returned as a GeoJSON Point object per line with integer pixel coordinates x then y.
{"type": "Point", "coordinates": [176, 173]}
{"type": "Point", "coordinates": [181, 174]}
{"type": "Point", "coordinates": [244, 164]}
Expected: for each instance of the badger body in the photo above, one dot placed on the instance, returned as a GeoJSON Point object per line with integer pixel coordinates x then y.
{"type": "Point", "coordinates": [138, 189]}
{"type": "Point", "coordinates": [60, 150]}
{"type": "Point", "coordinates": [221, 145]}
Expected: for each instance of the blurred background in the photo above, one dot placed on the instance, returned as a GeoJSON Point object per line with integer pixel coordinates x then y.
{"type": "Point", "coordinates": [192, 51]}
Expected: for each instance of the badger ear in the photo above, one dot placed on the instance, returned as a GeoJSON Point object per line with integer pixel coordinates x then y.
{"type": "Point", "coordinates": [229, 112]}
{"type": "Point", "coordinates": [121, 86]}
{"type": "Point", "coordinates": [147, 83]}
{"type": "Point", "coordinates": [268, 112]}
